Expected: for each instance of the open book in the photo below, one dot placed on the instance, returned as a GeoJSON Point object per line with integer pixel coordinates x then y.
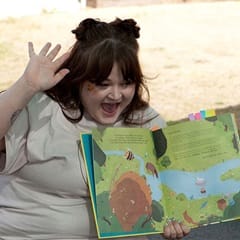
{"type": "Point", "coordinates": [138, 177]}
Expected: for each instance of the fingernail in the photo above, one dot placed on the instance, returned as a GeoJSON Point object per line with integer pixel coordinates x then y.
{"type": "Point", "coordinates": [168, 221]}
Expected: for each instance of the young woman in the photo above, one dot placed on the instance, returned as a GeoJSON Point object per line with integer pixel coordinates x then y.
{"type": "Point", "coordinates": [99, 82]}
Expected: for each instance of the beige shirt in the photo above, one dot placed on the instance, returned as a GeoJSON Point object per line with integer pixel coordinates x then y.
{"type": "Point", "coordinates": [43, 188]}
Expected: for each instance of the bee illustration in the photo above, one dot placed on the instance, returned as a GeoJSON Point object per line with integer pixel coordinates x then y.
{"type": "Point", "coordinates": [129, 155]}
{"type": "Point", "coordinates": [203, 190]}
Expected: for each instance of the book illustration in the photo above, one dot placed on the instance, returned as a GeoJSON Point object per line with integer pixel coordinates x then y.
{"type": "Point", "coordinates": [193, 177]}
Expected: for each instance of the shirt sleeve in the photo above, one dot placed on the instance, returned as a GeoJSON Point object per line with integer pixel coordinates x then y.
{"type": "Point", "coordinates": [16, 140]}
{"type": "Point", "coordinates": [152, 119]}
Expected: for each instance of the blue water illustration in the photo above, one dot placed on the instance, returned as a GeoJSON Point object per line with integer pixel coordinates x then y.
{"type": "Point", "coordinates": [185, 182]}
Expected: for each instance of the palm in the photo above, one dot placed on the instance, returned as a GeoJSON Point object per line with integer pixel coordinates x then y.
{"type": "Point", "coordinates": [40, 73]}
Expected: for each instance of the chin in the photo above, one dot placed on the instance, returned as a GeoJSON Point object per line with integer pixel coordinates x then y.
{"type": "Point", "coordinates": [108, 120]}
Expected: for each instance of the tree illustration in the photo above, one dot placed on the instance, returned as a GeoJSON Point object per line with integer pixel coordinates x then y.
{"type": "Point", "coordinates": [165, 162]}
{"type": "Point", "coordinates": [157, 211]}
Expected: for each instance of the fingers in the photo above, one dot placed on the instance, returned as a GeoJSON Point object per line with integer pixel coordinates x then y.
{"type": "Point", "coordinates": [45, 49]}
{"type": "Point", "coordinates": [51, 55]}
{"type": "Point", "coordinates": [185, 229]}
{"type": "Point", "coordinates": [54, 52]}
{"type": "Point", "coordinates": [175, 230]}
{"type": "Point", "coordinates": [59, 61]}
{"type": "Point", "coordinates": [30, 49]}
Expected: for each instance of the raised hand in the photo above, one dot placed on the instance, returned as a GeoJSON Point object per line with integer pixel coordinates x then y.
{"type": "Point", "coordinates": [40, 73]}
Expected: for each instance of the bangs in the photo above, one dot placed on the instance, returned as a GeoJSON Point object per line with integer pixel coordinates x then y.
{"type": "Point", "coordinates": [103, 56]}
{"type": "Point", "coordinates": [128, 63]}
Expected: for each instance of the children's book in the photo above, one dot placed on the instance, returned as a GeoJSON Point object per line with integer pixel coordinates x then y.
{"type": "Point", "coordinates": [138, 178]}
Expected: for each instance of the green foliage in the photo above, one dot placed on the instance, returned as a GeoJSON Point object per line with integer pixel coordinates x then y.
{"type": "Point", "coordinates": [234, 210]}
{"type": "Point", "coordinates": [144, 224]}
{"type": "Point", "coordinates": [236, 198]}
{"type": "Point", "coordinates": [211, 219]}
{"type": "Point", "coordinates": [165, 162]}
{"type": "Point", "coordinates": [157, 211]}
{"type": "Point", "coordinates": [103, 208]}
{"type": "Point", "coordinates": [181, 197]}
{"type": "Point", "coordinates": [107, 221]}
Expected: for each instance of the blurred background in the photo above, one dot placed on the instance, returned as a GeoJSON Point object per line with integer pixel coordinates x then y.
{"type": "Point", "coordinates": [189, 50]}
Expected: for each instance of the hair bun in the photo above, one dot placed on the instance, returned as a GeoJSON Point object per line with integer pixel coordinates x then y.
{"type": "Point", "coordinates": [84, 27]}
{"type": "Point", "coordinates": [89, 23]}
{"type": "Point", "coordinates": [128, 25]}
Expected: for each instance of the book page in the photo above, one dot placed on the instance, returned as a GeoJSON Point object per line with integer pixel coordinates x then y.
{"type": "Point", "coordinates": [201, 140]}
{"type": "Point", "coordinates": [200, 173]}
{"type": "Point", "coordinates": [189, 171]}
{"type": "Point", "coordinates": [124, 159]}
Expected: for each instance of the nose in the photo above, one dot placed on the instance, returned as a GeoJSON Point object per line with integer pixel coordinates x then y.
{"type": "Point", "coordinates": [115, 93]}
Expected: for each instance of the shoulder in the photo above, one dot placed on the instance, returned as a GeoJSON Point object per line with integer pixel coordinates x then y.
{"type": "Point", "coordinates": [38, 108]}
{"type": "Point", "coordinates": [40, 99]}
{"type": "Point", "coordinates": [149, 117]}
{"type": "Point", "coordinates": [41, 104]}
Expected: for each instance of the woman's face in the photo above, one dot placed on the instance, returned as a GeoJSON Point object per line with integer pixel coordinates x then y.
{"type": "Point", "coordinates": [106, 102]}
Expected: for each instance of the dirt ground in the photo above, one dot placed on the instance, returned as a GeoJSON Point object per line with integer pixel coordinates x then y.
{"type": "Point", "coordinates": [191, 51]}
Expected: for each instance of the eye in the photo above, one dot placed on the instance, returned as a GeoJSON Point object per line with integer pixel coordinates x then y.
{"type": "Point", "coordinates": [102, 84]}
{"type": "Point", "coordinates": [127, 82]}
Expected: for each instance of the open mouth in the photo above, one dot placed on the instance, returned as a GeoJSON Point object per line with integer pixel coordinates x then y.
{"type": "Point", "coordinates": [110, 108]}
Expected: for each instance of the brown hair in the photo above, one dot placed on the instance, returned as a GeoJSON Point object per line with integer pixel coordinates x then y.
{"type": "Point", "coordinates": [98, 46]}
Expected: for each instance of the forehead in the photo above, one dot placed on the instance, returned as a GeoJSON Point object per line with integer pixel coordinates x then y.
{"type": "Point", "coordinates": [110, 64]}
{"type": "Point", "coordinates": [115, 74]}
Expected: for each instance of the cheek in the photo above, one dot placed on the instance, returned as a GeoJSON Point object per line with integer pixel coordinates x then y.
{"type": "Point", "coordinates": [130, 91]}
{"type": "Point", "coordinates": [89, 91]}
{"type": "Point", "coordinates": [90, 87]}
{"type": "Point", "coordinates": [87, 95]}
{"type": "Point", "coordinates": [94, 95]}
